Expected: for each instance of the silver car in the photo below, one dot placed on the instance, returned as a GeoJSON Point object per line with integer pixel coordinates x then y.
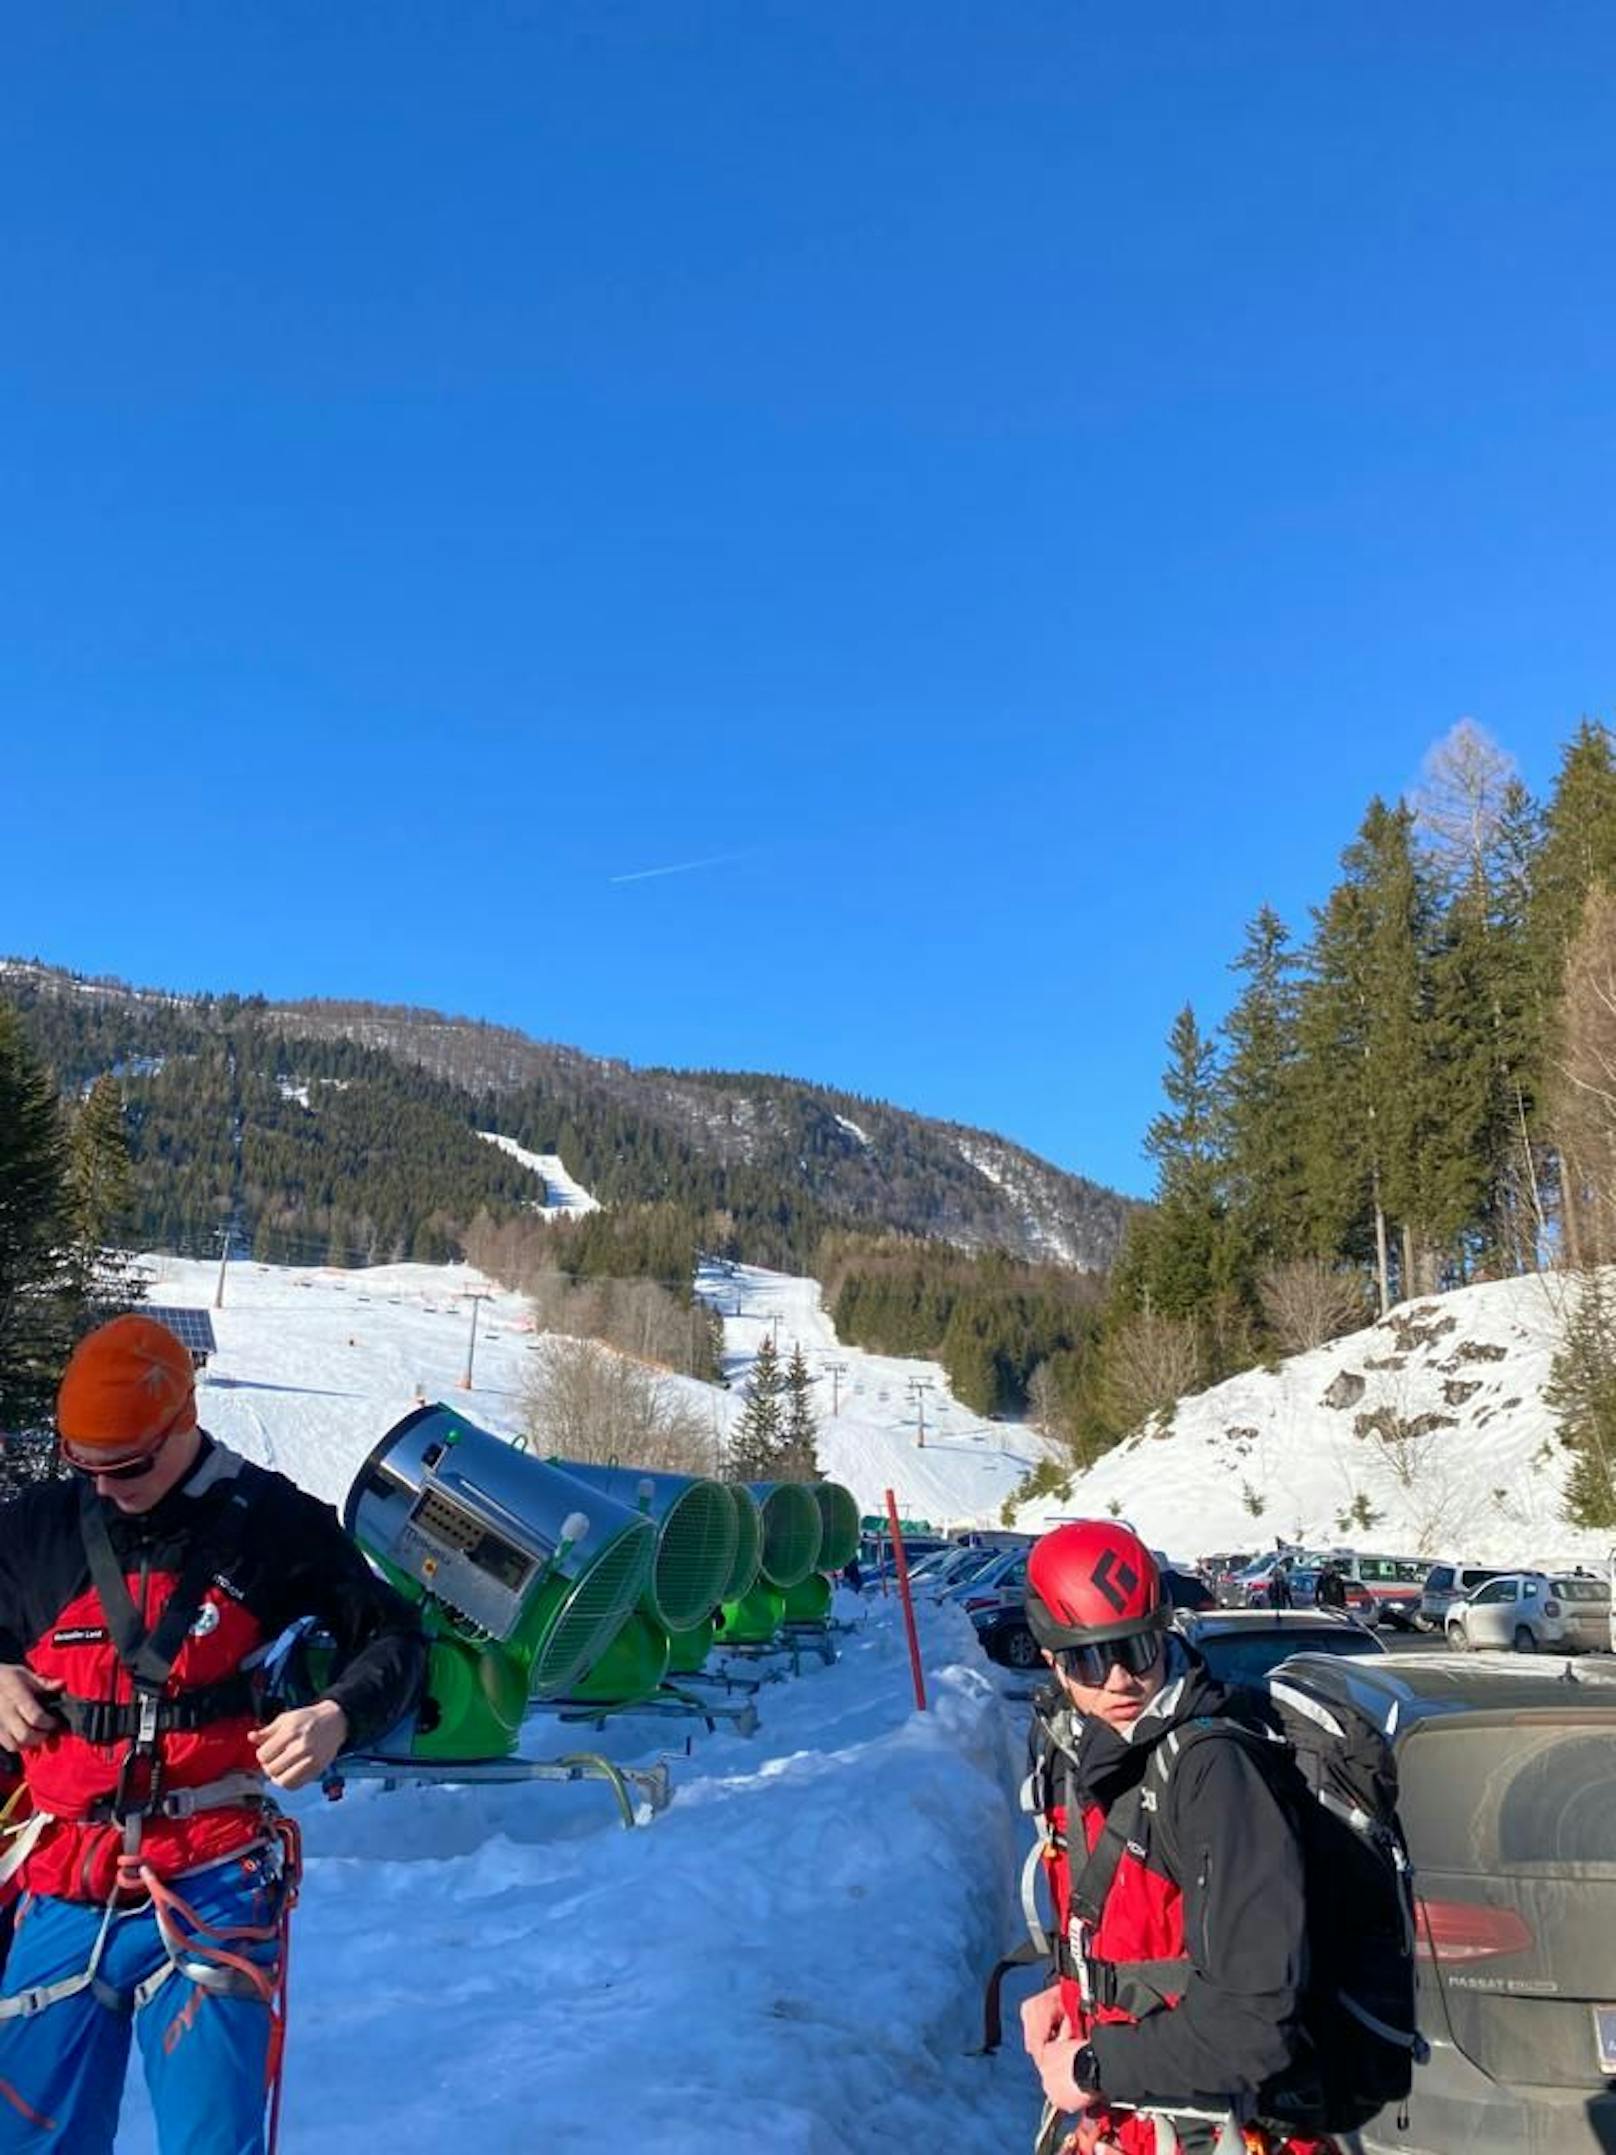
{"type": "Point", "coordinates": [1533, 1613]}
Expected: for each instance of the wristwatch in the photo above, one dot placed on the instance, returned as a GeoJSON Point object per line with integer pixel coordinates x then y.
{"type": "Point", "coordinates": [1086, 2070]}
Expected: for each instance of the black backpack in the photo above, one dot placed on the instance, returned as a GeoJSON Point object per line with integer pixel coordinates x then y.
{"type": "Point", "coordinates": [1335, 1771]}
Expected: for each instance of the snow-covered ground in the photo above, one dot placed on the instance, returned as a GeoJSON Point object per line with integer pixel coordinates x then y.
{"type": "Point", "coordinates": [789, 1957]}
{"type": "Point", "coordinates": [562, 1196]}
{"type": "Point", "coordinates": [1432, 1422]}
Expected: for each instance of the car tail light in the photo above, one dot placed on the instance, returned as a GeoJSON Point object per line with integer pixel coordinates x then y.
{"type": "Point", "coordinates": [1463, 1931]}
{"type": "Point", "coordinates": [981, 1601]}
{"type": "Point", "coordinates": [1551, 1608]}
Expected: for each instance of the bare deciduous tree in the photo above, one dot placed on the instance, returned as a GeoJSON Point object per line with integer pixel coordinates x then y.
{"type": "Point", "coordinates": [1460, 801]}
{"type": "Point", "coordinates": [1150, 1362]}
{"type": "Point", "coordinates": [1307, 1303]}
{"type": "Point", "coordinates": [583, 1401]}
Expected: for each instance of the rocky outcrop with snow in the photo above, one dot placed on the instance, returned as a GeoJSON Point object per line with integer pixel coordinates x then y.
{"type": "Point", "coordinates": [1425, 1434]}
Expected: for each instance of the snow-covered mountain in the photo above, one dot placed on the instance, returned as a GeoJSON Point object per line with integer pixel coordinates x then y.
{"type": "Point", "coordinates": [1424, 1434]}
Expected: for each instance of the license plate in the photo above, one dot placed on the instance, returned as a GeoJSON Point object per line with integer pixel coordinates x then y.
{"type": "Point", "coordinates": [1605, 2037]}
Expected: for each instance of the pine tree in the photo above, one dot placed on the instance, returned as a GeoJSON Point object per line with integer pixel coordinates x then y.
{"type": "Point", "coordinates": [100, 1203]}
{"type": "Point", "coordinates": [1368, 1075]}
{"type": "Point", "coordinates": [1181, 1254]}
{"type": "Point", "coordinates": [756, 1440]}
{"type": "Point", "coordinates": [34, 1288]}
{"type": "Point", "coordinates": [799, 1460]}
{"type": "Point", "coordinates": [1258, 1103]}
{"type": "Point", "coordinates": [1578, 850]}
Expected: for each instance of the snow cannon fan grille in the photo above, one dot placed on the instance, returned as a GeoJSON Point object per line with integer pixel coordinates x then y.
{"type": "Point", "coordinates": [791, 1531]}
{"type": "Point", "coordinates": [839, 1515]}
{"type": "Point", "coordinates": [748, 1543]}
{"type": "Point", "coordinates": [696, 1531]}
{"type": "Point", "coordinates": [592, 1615]}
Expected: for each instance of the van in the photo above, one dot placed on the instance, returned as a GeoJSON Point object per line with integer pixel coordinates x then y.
{"type": "Point", "coordinates": [1449, 1581]}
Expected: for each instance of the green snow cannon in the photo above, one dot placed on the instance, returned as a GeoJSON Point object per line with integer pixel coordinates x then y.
{"type": "Point", "coordinates": [696, 1534]}
{"type": "Point", "coordinates": [792, 1531]}
{"type": "Point", "coordinates": [808, 1602]}
{"type": "Point", "coordinates": [472, 1702]}
{"type": "Point", "coordinates": [748, 1543]}
{"type": "Point", "coordinates": [754, 1619]}
{"type": "Point", "coordinates": [688, 1650]}
{"type": "Point", "coordinates": [839, 1515]}
{"type": "Point", "coordinates": [630, 1669]}
{"type": "Point", "coordinates": [508, 1550]}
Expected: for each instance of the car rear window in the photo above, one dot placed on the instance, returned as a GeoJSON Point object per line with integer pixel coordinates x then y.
{"type": "Point", "coordinates": [1248, 1657]}
{"type": "Point", "coordinates": [1480, 1798]}
{"type": "Point", "coordinates": [1441, 1579]}
{"type": "Point", "coordinates": [1580, 1589]}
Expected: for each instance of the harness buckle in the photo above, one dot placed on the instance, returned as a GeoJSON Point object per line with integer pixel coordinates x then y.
{"type": "Point", "coordinates": [147, 1725]}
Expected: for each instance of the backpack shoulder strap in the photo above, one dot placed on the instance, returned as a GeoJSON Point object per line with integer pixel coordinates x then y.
{"type": "Point", "coordinates": [149, 1655]}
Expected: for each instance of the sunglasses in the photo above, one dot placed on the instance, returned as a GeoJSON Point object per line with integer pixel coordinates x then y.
{"type": "Point", "coordinates": [1090, 1665]}
{"type": "Point", "coordinates": [132, 1470]}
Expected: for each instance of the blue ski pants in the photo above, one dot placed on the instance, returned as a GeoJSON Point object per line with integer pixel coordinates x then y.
{"type": "Point", "coordinates": [205, 2056]}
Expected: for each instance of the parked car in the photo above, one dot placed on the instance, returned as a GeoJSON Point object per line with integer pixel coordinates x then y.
{"type": "Point", "coordinates": [1001, 1584]}
{"type": "Point", "coordinates": [1533, 1613]}
{"type": "Point", "coordinates": [1396, 1582]}
{"type": "Point", "coordinates": [1240, 1646]}
{"type": "Point", "coordinates": [1005, 1637]}
{"type": "Point", "coordinates": [1507, 1795]}
{"type": "Point", "coordinates": [1452, 1581]}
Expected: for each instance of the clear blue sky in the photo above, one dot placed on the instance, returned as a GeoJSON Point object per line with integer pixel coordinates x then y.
{"type": "Point", "coordinates": [1019, 476]}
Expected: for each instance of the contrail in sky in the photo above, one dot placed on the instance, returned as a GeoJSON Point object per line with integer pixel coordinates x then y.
{"type": "Point", "coordinates": [644, 875]}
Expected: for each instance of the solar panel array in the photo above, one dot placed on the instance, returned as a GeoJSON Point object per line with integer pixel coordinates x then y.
{"type": "Point", "coordinates": [193, 1328]}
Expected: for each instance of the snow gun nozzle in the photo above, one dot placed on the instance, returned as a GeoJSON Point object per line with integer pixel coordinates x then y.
{"type": "Point", "coordinates": [573, 1529]}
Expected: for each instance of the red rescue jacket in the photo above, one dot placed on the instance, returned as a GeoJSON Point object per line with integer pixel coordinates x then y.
{"type": "Point", "coordinates": [286, 1557]}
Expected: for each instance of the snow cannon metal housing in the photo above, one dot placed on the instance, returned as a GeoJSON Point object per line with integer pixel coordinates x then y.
{"type": "Point", "coordinates": [696, 1530]}
{"type": "Point", "coordinates": [513, 1550]}
{"type": "Point", "coordinates": [792, 1531]}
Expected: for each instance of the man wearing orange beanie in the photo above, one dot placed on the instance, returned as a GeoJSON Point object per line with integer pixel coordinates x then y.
{"type": "Point", "coordinates": [135, 1597]}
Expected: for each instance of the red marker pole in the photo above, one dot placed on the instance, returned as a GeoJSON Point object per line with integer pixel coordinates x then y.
{"type": "Point", "coordinates": [908, 1601]}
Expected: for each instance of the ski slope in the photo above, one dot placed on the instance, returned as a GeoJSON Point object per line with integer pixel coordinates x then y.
{"type": "Point", "coordinates": [1268, 1454]}
{"type": "Point", "coordinates": [563, 1198]}
{"type": "Point", "coordinates": [967, 1466]}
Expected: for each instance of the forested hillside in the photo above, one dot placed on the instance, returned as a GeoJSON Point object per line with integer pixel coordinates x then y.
{"type": "Point", "coordinates": [347, 1133]}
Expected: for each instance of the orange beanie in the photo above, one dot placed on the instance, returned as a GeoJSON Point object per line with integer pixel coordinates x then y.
{"type": "Point", "coordinates": [127, 1385]}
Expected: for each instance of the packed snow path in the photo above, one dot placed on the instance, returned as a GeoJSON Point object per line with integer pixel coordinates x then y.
{"type": "Point", "coordinates": [790, 1957]}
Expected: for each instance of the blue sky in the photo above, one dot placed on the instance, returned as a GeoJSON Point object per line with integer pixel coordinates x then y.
{"type": "Point", "coordinates": [1003, 485]}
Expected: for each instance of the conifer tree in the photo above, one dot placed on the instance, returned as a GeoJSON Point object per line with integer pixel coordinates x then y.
{"type": "Point", "coordinates": [756, 1441]}
{"type": "Point", "coordinates": [100, 1203]}
{"type": "Point", "coordinates": [799, 1460]}
{"type": "Point", "coordinates": [34, 1287]}
{"type": "Point", "coordinates": [1578, 850]}
{"type": "Point", "coordinates": [1180, 1252]}
{"type": "Point", "coordinates": [1259, 1104]}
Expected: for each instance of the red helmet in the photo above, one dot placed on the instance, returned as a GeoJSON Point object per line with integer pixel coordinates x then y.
{"type": "Point", "coordinates": [1092, 1580]}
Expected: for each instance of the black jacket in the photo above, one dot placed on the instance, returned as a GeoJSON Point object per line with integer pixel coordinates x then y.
{"type": "Point", "coordinates": [1222, 1832]}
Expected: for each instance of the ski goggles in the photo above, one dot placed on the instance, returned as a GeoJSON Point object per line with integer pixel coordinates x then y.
{"type": "Point", "coordinates": [1092, 1663]}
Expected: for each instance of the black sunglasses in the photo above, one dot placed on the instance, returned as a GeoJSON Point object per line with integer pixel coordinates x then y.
{"type": "Point", "coordinates": [1090, 1665]}
{"type": "Point", "coordinates": [133, 1471]}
